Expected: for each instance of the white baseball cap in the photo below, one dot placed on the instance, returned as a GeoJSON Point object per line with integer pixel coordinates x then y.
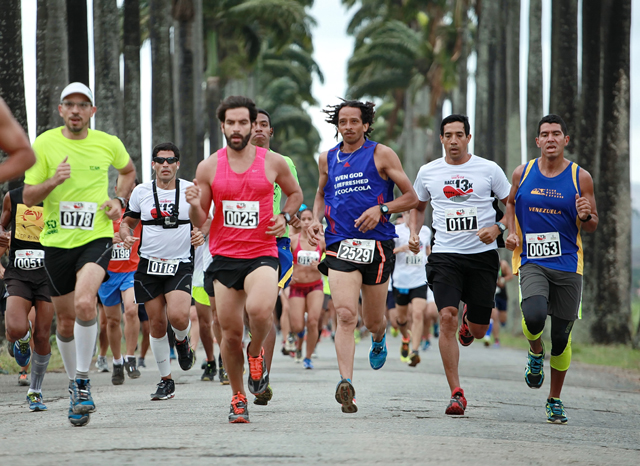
{"type": "Point", "coordinates": [77, 88]}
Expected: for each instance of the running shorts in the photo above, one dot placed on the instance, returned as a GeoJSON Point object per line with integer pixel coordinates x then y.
{"type": "Point", "coordinates": [285, 257]}
{"type": "Point", "coordinates": [148, 287]}
{"type": "Point", "coordinates": [301, 290]}
{"type": "Point", "coordinates": [375, 273]}
{"type": "Point", "coordinates": [110, 292]}
{"type": "Point", "coordinates": [27, 288]}
{"type": "Point", "coordinates": [200, 296]}
{"type": "Point", "coordinates": [231, 272]}
{"type": "Point", "coordinates": [403, 296]}
{"type": "Point", "coordinates": [563, 290]}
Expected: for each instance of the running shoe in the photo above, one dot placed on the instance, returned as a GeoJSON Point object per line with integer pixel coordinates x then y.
{"type": "Point", "coordinates": [425, 345]}
{"type": "Point", "coordinates": [258, 375]}
{"type": "Point", "coordinates": [346, 396]}
{"type": "Point", "coordinates": [457, 404]}
{"type": "Point", "coordinates": [83, 401]}
{"type": "Point", "coordinates": [285, 351]}
{"type": "Point", "coordinates": [534, 372]}
{"type": "Point", "coordinates": [307, 364]}
{"type": "Point", "coordinates": [141, 362]}
{"type": "Point", "coordinates": [436, 330]}
{"type": "Point", "coordinates": [186, 356]}
{"type": "Point", "coordinates": [101, 364]}
{"type": "Point", "coordinates": [487, 337]}
{"type": "Point", "coordinates": [222, 374]}
{"type": "Point", "coordinates": [77, 420]}
{"type": "Point", "coordinates": [291, 343]}
{"type": "Point", "coordinates": [404, 349]}
{"type": "Point", "coordinates": [117, 377]}
{"type": "Point", "coordinates": [210, 370]}
{"type": "Point", "coordinates": [415, 359]}
{"type": "Point", "coordinates": [22, 350]}
{"type": "Point", "coordinates": [130, 367]}
{"type": "Point", "coordinates": [35, 402]}
{"type": "Point", "coordinates": [394, 332]}
{"type": "Point", "coordinates": [166, 390]}
{"type": "Point", "coordinates": [486, 340]}
{"type": "Point", "coordinates": [263, 398]}
{"type": "Point", "coordinates": [23, 379]}
{"type": "Point", "coordinates": [464, 335]}
{"type": "Point", "coordinates": [496, 343]}
{"type": "Point", "coordinates": [172, 355]}
{"type": "Point", "coordinates": [298, 356]}
{"type": "Point", "coordinates": [378, 353]}
{"type": "Point", "coordinates": [204, 364]}
{"type": "Point", "coordinates": [238, 413]}
{"type": "Point", "coordinates": [555, 411]}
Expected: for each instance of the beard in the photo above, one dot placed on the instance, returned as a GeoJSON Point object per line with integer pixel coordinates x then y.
{"type": "Point", "coordinates": [238, 146]}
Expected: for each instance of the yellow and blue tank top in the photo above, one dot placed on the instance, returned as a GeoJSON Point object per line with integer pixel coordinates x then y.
{"type": "Point", "coordinates": [547, 221]}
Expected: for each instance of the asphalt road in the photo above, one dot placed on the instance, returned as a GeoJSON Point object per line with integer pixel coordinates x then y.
{"type": "Point", "coordinates": [400, 417]}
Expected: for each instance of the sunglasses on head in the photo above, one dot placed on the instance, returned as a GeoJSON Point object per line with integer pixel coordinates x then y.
{"type": "Point", "coordinates": [162, 160]}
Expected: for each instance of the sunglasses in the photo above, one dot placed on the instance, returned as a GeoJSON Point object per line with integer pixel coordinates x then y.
{"type": "Point", "coordinates": [162, 160]}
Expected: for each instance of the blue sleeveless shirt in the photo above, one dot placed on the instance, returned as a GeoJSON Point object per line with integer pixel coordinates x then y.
{"type": "Point", "coordinates": [547, 221]}
{"type": "Point", "coordinates": [353, 186]}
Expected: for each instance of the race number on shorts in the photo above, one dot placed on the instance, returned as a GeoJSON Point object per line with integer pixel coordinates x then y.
{"type": "Point", "coordinates": [120, 253]}
{"type": "Point", "coordinates": [241, 214]}
{"type": "Point", "coordinates": [359, 251]}
{"type": "Point", "coordinates": [543, 245]}
{"type": "Point", "coordinates": [307, 257]}
{"type": "Point", "coordinates": [461, 219]}
{"type": "Point", "coordinates": [29, 259]}
{"type": "Point", "coordinates": [77, 215]}
{"type": "Point", "coordinates": [162, 266]}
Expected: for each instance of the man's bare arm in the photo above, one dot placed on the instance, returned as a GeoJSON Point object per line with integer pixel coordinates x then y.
{"type": "Point", "coordinates": [15, 143]}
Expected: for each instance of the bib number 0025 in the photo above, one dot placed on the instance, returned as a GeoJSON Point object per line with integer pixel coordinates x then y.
{"type": "Point", "coordinates": [543, 245]}
{"type": "Point", "coordinates": [241, 214]}
{"type": "Point", "coordinates": [163, 266]}
{"type": "Point", "coordinates": [77, 215]}
{"type": "Point", "coordinates": [461, 219]}
{"type": "Point", "coordinates": [359, 251]}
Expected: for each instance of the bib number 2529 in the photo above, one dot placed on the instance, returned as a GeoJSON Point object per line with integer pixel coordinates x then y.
{"type": "Point", "coordinates": [359, 251]}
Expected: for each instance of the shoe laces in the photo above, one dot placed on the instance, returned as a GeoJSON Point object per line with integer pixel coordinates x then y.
{"type": "Point", "coordinates": [535, 363]}
{"type": "Point", "coordinates": [23, 346]}
{"type": "Point", "coordinates": [557, 407]}
{"type": "Point", "coordinates": [255, 366]}
{"type": "Point", "coordinates": [35, 397]}
{"type": "Point", "coordinates": [239, 403]}
{"type": "Point", "coordinates": [83, 389]}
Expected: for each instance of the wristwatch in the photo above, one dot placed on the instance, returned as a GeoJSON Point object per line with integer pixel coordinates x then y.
{"type": "Point", "coordinates": [384, 209]}
{"type": "Point", "coordinates": [501, 226]}
{"type": "Point", "coordinates": [287, 217]}
{"type": "Point", "coordinates": [586, 219]}
{"type": "Point", "coordinates": [123, 201]}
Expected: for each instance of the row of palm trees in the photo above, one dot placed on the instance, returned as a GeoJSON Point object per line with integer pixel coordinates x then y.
{"type": "Point", "coordinates": [411, 55]}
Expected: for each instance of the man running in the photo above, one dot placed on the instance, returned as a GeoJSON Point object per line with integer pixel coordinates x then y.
{"type": "Point", "coordinates": [239, 180]}
{"type": "Point", "coordinates": [550, 202]}
{"type": "Point", "coordinates": [27, 286]}
{"type": "Point", "coordinates": [71, 176]}
{"type": "Point", "coordinates": [163, 279]}
{"type": "Point", "coordinates": [463, 264]}
{"type": "Point", "coordinates": [15, 143]}
{"type": "Point", "coordinates": [355, 195]}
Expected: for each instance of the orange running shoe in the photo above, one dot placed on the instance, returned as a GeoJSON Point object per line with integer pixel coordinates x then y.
{"type": "Point", "coordinates": [258, 374]}
{"type": "Point", "coordinates": [238, 412]}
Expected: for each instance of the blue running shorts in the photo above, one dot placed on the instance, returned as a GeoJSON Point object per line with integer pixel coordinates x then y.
{"type": "Point", "coordinates": [285, 257]}
{"type": "Point", "coordinates": [109, 291]}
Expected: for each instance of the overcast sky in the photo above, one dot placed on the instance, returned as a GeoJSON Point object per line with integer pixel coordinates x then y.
{"type": "Point", "coordinates": [332, 50]}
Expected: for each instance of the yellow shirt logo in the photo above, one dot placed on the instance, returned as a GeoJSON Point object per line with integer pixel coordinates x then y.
{"type": "Point", "coordinates": [29, 223]}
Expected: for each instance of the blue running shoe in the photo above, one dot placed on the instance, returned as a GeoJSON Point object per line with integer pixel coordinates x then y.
{"type": "Point", "coordinates": [555, 411]}
{"type": "Point", "coordinates": [35, 402]}
{"type": "Point", "coordinates": [83, 403]}
{"type": "Point", "coordinates": [307, 364]}
{"type": "Point", "coordinates": [378, 353]}
{"type": "Point", "coordinates": [425, 345]}
{"type": "Point", "coordinates": [77, 420]}
{"type": "Point", "coordinates": [436, 330]}
{"type": "Point", "coordinates": [22, 351]}
{"type": "Point", "coordinates": [534, 372]}
{"type": "Point", "coordinates": [346, 396]}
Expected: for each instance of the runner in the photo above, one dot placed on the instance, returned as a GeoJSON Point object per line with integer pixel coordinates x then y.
{"type": "Point", "coordinates": [163, 279]}
{"type": "Point", "coordinates": [499, 313]}
{"type": "Point", "coordinates": [15, 143]}
{"type": "Point", "coordinates": [71, 177]}
{"type": "Point", "coordinates": [463, 264]}
{"type": "Point", "coordinates": [355, 195]}
{"type": "Point", "coordinates": [27, 287]}
{"type": "Point", "coordinates": [551, 201]}
{"type": "Point", "coordinates": [306, 286]}
{"type": "Point", "coordinates": [239, 180]}
{"type": "Point", "coordinates": [410, 289]}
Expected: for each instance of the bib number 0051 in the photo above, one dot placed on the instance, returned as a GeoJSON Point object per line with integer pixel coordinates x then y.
{"type": "Point", "coordinates": [163, 266]}
{"type": "Point", "coordinates": [543, 245]}
{"type": "Point", "coordinates": [359, 251]}
{"type": "Point", "coordinates": [28, 259]}
{"type": "Point", "coordinates": [241, 214]}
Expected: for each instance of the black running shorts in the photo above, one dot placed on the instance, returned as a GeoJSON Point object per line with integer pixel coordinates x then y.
{"type": "Point", "coordinates": [403, 296]}
{"type": "Point", "coordinates": [375, 273]}
{"type": "Point", "coordinates": [32, 285]}
{"type": "Point", "coordinates": [148, 287]}
{"type": "Point", "coordinates": [231, 272]}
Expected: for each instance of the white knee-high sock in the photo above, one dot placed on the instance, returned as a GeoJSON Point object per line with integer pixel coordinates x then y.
{"type": "Point", "coordinates": [181, 334]}
{"type": "Point", "coordinates": [161, 351]}
{"type": "Point", "coordinates": [85, 332]}
{"type": "Point", "coordinates": [67, 348]}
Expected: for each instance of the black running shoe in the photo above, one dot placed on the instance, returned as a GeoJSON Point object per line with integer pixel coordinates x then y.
{"type": "Point", "coordinates": [534, 371]}
{"type": "Point", "coordinates": [186, 356]}
{"type": "Point", "coordinates": [210, 370]}
{"type": "Point", "coordinates": [346, 396]}
{"type": "Point", "coordinates": [263, 398]}
{"type": "Point", "coordinates": [130, 367]}
{"type": "Point", "coordinates": [166, 390]}
{"type": "Point", "coordinates": [222, 374]}
{"type": "Point", "coordinates": [258, 374]}
{"type": "Point", "coordinates": [117, 376]}
{"type": "Point", "coordinates": [464, 335]}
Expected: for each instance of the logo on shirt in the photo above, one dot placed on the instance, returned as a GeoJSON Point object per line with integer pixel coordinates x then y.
{"type": "Point", "coordinates": [547, 193]}
{"type": "Point", "coordinates": [458, 189]}
{"type": "Point", "coordinates": [241, 205]}
{"type": "Point", "coordinates": [93, 167]}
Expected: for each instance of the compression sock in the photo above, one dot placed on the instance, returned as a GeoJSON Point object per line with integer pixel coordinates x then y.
{"type": "Point", "coordinates": [85, 332]}
{"type": "Point", "coordinates": [161, 351]}
{"type": "Point", "coordinates": [181, 334]}
{"type": "Point", "coordinates": [67, 348]}
{"type": "Point", "coordinates": [39, 365]}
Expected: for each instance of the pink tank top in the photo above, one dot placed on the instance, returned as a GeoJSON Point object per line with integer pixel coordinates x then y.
{"type": "Point", "coordinates": [243, 210]}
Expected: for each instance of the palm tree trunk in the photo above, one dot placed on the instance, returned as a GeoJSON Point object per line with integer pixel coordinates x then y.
{"type": "Point", "coordinates": [198, 80]}
{"type": "Point", "coordinates": [564, 67]}
{"type": "Point", "coordinates": [514, 146]}
{"type": "Point", "coordinates": [79, 44]}
{"type": "Point", "coordinates": [161, 82]}
{"type": "Point", "coordinates": [132, 82]}
{"type": "Point", "coordinates": [213, 100]}
{"type": "Point", "coordinates": [613, 307]}
{"type": "Point", "coordinates": [534, 77]}
{"type": "Point", "coordinates": [52, 63]}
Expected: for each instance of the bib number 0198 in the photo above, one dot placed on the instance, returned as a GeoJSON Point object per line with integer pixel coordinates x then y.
{"type": "Point", "coordinates": [120, 253]}
{"type": "Point", "coordinates": [543, 245]}
{"type": "Point", "coordinates": [359, 251]}
{"type": "Point", "coordinates": [162, 266]}
{"type": "Point", "coordinates": [241, 214]}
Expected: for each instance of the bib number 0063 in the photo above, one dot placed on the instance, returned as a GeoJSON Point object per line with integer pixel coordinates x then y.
{"type": "Point", "coordinates": [543, 245]}
{"type": "Point", "coordinates": [359, 251]}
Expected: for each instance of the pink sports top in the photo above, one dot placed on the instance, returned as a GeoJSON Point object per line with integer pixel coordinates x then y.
{"type": "Point", "coordinates": [243, 205]}
{"type": "Point", "coordinates": [307, 256]}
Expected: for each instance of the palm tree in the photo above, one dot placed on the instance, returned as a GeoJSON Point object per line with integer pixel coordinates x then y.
{"type": "Point", "coordinates": [534, 77]}
{"type": "Point", "coordinates": [513, 144]}
{"type": "Point", "coordinates": [160, 23]}
{"type": "Point", "coordinates": [131, 46]}
{"type": "Point", "coordinates": [79, 46]}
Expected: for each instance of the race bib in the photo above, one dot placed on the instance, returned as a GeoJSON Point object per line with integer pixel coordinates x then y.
{"type": "Point", "coordinates": [461, 219]}
{"type": "Point", "coordinates": [307, 257]}
{"type": "Point", "coordinates": [543, 245]}
{"type": "Point", "coordinates": [77, 215]}
{"type": "Point", "coordinates": [29, 259]}
{"type": "Point", "coordinates": [359, 251]}
{"type": "Point", "coordinates": [241, 214]}
{"type": "Point", "coordinates": [162, 266]}
{"type": "Point", "coordinates": [120, 253]}
{"type": "Point", "coordinates": [414, 260]}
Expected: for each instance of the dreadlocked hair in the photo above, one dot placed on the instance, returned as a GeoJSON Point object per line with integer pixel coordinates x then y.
{"type": "Point", "coordinates": [366, 109]}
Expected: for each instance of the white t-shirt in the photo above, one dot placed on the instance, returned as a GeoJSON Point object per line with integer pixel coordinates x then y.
{"type": "Point", "coordinates": [461, 196]}
{"type": "Point", "coordinates": [171, 243]}
{"type": "Point", "coordinates": [201, 261]}
{"type": "Point", "coordinates": [409, 271]}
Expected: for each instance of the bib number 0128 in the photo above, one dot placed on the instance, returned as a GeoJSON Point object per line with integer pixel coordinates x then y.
{"type": "Point", "coordinates": [543, 245]}
{"type": "Point", "coordinates": [359, 251]}
{"type": "Point", "coordinates": [241, 214]}
{"type": "Point", "coordinates": [163, 266]}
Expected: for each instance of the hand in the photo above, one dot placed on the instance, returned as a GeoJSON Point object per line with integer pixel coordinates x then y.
{"type": "Point", "coordinates": [197, 238]}
{"type": "Point", "coordinates": [63, 172]}
{"type": "Point", "coordinates": [5, 238]}
{"type": "Point", "coordinates": [512, 241]}
{"type": "Point", "coordinates": [314, 264]}
{"type": "Point", "coordinates": [295, 222]}
{"type": "Point", "coordinates": [414, 244]}
{"type": "Point", "coordinates": [112, 208]}
{"type": "Point", "coordinates": [129, 240]}
{"type": "Point", "coordinates": [278, 226]}
{"type": "Point", "coordinates": [488, 234]}
{"type": "Point", "coordinates": [192, 193]}
{"type": "Point", "coordinates": [403, 248]}
{"type": "Point", "coordinates": [583, 206]}
{"type": "Point", "coordinates": [1, 272]}
{"type": "Point", "coordinates": [369, 219]}
{"type": "Point", "coordinates": [315, 231]}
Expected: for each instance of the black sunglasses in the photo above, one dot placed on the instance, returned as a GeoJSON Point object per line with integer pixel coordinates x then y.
{"type": "Point", "coordinates": [162, 160]}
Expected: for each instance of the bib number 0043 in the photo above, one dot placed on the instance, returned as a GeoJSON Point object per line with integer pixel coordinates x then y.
{"type": "Point", "coordinates": [461, 219]}
{"type": "Point", "coordinates": [163, 266]}
{"type": "Point", "coordinates": [241, 214]}
{"type": "Point", "coordinates": [543, 245]}
{"type": "Point", "coordinates": [77, 215]}
{"type": "Point", "coordinates": [359, 251]}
